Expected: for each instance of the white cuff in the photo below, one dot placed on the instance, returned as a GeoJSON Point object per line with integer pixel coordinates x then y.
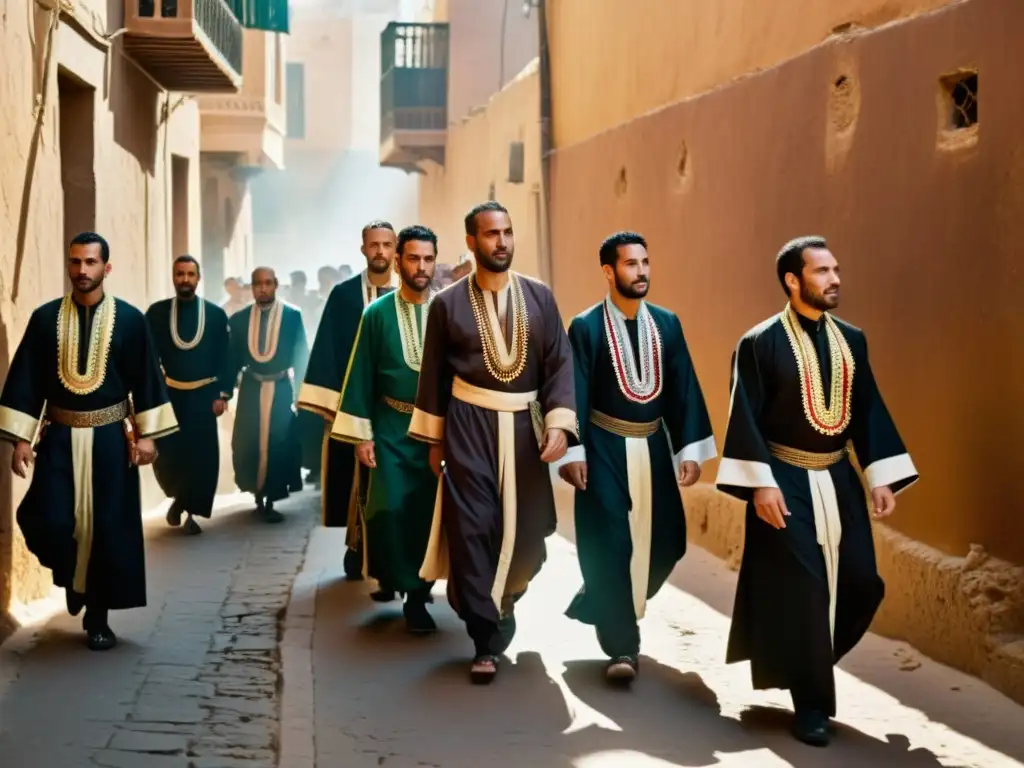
{"type": "Point", "coordinates": [576, 453]}
{"type": "Point", "coordinates": [745, 474]}
{"type": "Point", "coordinates": [891, 471]}
{"type": "Point", "coordinates": [699, 452]}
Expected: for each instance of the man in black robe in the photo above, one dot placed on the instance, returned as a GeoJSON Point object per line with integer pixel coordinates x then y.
{"type": "Point", "coordinates": [343, 479]}
{"type": "Point", "coordinates": [191, 337]}
{"type": "Point", "coordinates": [496, 403]}
{"type": "Point", "coordinates": [268, 346]}
{"type": "Point", "coordinates": [85, 388]}
{"type": "Point", "coordinates": [802, 392]}
{"type": "Point", "coordinates": [645, 431]}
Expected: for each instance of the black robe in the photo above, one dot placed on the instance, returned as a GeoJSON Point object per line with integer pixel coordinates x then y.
{"type": "Point", "coordinates": [280, 458]}
{"type": "Point", "coordinates": [781, 619]}
{"type": "Point", "coordinates": [320, 395]}
{"type": "Point", "coordinates": [115, 575]}
{"type": "Point", "coordinates": [189, 461]}
{"type": "Point", "coordinates": [469, 524]}
{"type": "Point", "coordinates": [604, 510]}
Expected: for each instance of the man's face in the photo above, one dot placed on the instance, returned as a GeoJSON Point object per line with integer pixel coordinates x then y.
{"type": "Point", "coordinates": [632, 274]}
{"type": "Point", "coordinates": [299, 285]}
{"type": "Point", "coordinates": [186, 279]}
{"type": "Point", "coordinates": [416, 264]}
{"type": "Point", "coordinates": [86, 269]}
{"type": "Point", "coordinates": [819, 280]}
{"type": "Point", "coordinates": [264, 287]}
{"type": "Point", "coordinates": [379, 250]}
{"type": "Point", "coordinates": [494, 243]}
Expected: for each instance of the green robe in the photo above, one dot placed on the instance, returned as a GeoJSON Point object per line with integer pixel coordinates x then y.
{"type": "Point", "coordinates": [376, 404]}
{"type": "Point", "coordinates": [604, 538]}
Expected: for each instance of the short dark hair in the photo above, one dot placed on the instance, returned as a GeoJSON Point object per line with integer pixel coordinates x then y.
{"type": "Point", "coordinates": [476, 210]}
{"type": "Point", "coordinates": [91, 238]}
{"type": "Point", "coordinates": [188, 259]}
{"type": "Point", "coordinates": [609, 252]}
{"type": "Point", "coordinates": [416, 232]}
{"type": "Point", "coordinates": [377, 224]}
{"type": "Point", "coordinates": [791, 258]}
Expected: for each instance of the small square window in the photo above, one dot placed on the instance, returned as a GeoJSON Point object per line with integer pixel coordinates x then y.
{"type": "Point", "coordinates": [961, 92]}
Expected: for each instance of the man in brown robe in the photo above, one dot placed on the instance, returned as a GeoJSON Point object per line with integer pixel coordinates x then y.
{"type": "Point", "coordinates": [496, 401]}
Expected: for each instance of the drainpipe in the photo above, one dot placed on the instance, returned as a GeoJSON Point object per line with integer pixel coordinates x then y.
{"type": "Point", "coordinates": [546, 143]}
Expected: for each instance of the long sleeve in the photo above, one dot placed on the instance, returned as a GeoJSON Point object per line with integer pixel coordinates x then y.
{"type": "Point", "coordinates": [300, 351]}
{"type": "Point", "coordinates": [321, 385]}
{"type": "Point", "coordinates": [353, 422]}
{"type": "Point", "coordinates": [154, 414]}
{"type": "Point", "coordinates": [434, 390]}
{"type": "Point", "coordinates": [876, 441]}
{"type": "Point", "coordinates": [686, 414]}
{"type": "Point", "coordinates": [745, 464]}
{"type": "Point", "coordinates": [581, 345]}
{"type": "Point", "coordinates": [22, 400]}
{"type": "Point", "coordinates": [221, 346]}
{"type": "Point", "coordinates": [557, 392]}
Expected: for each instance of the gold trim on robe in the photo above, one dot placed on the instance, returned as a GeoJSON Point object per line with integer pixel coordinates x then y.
{"type": "Point", "coordinates": [562, 418]}
{"type": "Point", "coordinates": [157, 422]}
{"type": "Point", "coordinates": [188, 386]}
{"type": "Point", "coordinates": [351, 429]}
{"type": "Point", "coordinates": [319, 400]}
{"type": "Point", "coordinates": [426, 427]}
{"type": "Point", "coordinates": [17, 424]}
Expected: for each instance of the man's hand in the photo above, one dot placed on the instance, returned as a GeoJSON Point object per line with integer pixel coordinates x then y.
{"type": "Point", "coordinates": [575, 474]}
{"type": "Point", "coordinates": [22, 458]}
{"type": "Point", "coordinates": [884, 502]}
{"type": "Point", "coordinates": [219, 407]}
{"type": "Point", "coordinates": [436, 458]}
{"type": "Point", "coordinates": [689, 473]}
{"type": "Point", "coordinates": [366, 455]}
{"type": "Point", "coordinates": [771, 507]}
{"type": "Point", "coordinates": [145, 452]}
{"type": "Point", "coordinates": [555, 445]}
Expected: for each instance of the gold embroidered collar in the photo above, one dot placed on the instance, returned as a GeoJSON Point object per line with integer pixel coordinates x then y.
{"type": "Point", "coordinates": [274, 316]}
{"type": "Point", "coordinates": [410, 331]}
{"type": "Point", "coordinates": [68, 345]}
{"type": "Point", "coordinates": [505, 362]}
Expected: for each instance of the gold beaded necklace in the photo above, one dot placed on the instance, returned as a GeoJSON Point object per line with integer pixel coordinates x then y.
{"type": "Point", "coordinates": [100, 338]}
{"type": "Point", "coordinates": [274, 315]}
{"type": "Point", "coordinates": [505, 362]}
{"type": "Point", "coordinates": [833, 419]}
{"type": "Point", "coordinates": [181, 344]}
{"type": "Point", "coordinates": [411, 332]}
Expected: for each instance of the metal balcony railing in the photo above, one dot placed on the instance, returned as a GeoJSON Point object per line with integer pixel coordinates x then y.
{"type": "Point", "coordinates": [414, 78]}
{"type": "Point", "coordinates": [214, 17]}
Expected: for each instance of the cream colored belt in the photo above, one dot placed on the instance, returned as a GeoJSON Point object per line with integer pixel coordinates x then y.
{"type": "Point", "coordinates": [187, 386]}
{"type": "Point", "coordinates": [828, 526]}
{"type": "Point", "coordinates": [506, 404]}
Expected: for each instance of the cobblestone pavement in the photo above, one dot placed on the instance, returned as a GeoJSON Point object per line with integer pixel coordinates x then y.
{"type": "Point", "coordinates": [194, 682]}
{"type": "Point", "coordinates": [383, 698]}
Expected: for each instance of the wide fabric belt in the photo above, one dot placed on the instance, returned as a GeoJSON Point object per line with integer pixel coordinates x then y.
{"type": "Point", "coordinates": [638, 476]}
{"type": "Point", "coordinates": [88, 419]}
{"type": "Point", "coordinates": [267, 377]}
{"type": "Point", "coordinates": [82, 424]}
{"type": "Point", "coordinates": [186, 386]}
{"type": "Point", "coordinates": [399, 405]}
{"type": "Point", "coordinates": [806, 459]}
{"type": "Point", "coordinates": [827, 524]}
{"type": "Point", "coordinates": [506, 404]}
{"type": "Point", "coordinates": [622, 428]}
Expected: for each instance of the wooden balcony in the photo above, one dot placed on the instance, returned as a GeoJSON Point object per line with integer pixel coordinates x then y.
{"type": "Point", "coordinates": [190, 46]}
{"type": "Point", "coordinates": [413, 95]}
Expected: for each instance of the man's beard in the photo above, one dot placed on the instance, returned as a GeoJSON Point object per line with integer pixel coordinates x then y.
{"type": "Point", "coordinates": [630, 290]}
{"type": "Point", "coordinates": [378, 265]}
{"type": "Point", "coordinates": [410, 281]}
{"type": "Point", "coordinates": [88, 284]}
{"type": "Point", "coordinates": [266, 301]}
{"type": "Point", "coordinates": [185, 291]}
{"type": "Point", "coordinates": [818, 301]}
{"type": "Point", "coordinates": [491, 264]}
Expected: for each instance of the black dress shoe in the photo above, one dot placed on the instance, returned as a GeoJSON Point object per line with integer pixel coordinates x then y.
{"type": "Point", "coordinates": [353, 565]}
{"type": "Point", "coordinates": [271, 515]}
{"type": "Point", "coordinates": [418, 620]}
{"type": "Point", "coordinates": [811, 728]}
{"type": "Point", "coordinates": [174, 515]}
{"type": "Point", "coordinates": [102, 639]}
{"type": "Point", "coordinates": [192, 527]}
{"type": "Point", "coordinates": [622, 669]}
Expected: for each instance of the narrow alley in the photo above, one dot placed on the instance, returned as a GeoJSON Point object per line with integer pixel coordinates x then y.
{"type": "Point", "coordinates": [195, 682]}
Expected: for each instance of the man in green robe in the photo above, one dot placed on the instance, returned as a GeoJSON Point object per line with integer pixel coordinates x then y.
{"type": "Point", "coordinates": [320, 393]}
{"type": "Point", "coordinates": [643, 427]}
{"type": "Point", "coordinates": [376, 407]}
{"type": "Point", "coordinates": [268, 346]}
